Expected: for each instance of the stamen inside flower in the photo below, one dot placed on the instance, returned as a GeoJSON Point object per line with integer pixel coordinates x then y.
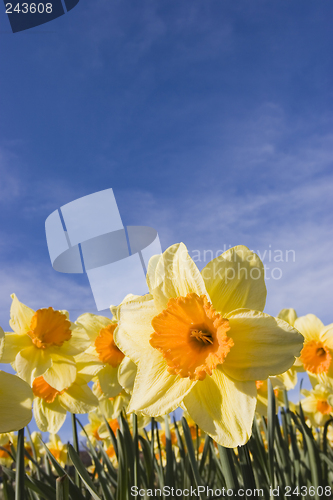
{"type": "Point", "coordinates": [49, 328]}
{"type": "Point", "coordinates": [106, 348]}
{"type": "Point", "coordinates": [323, 407]}
{"type": "Point", "coordinates": [191, 335]}
{"type": "Point", "coordinates": [316, 357]}
{"type": "Point", "coordinates": [42, 389]}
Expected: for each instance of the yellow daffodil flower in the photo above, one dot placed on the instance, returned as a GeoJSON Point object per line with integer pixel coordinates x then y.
{"type": "Point", "coordinates": [96, 422]}
{"type": "Point", "coordinates": [317, 353]}
{"type": "Point", "coordinates": [15, 399]}
{"type": "Point", "coordinates": [262, 395]}
{"type": "Point", "coordinates": [43, 344]}
{"type": "Point", "coordinates": [103, 349]}
{"type": "Point", "coordinates": [51, 405]}
{"type": "Point", "coordinates": [7, 440]}
{"type": "Point", "coordinates": [317, 404]}
{"type": "Point", "coordinates": [58, 449]}
{"type": "Point", "coordinates": [202, 339]}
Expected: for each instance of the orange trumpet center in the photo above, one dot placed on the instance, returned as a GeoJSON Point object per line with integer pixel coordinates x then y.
{"type": "Point", "coordinates": [106, 348]}
{"type": "Point", "coordinates": [42, 389]}
{"type": "Point", "coordinates": [191, 335]}
{"type": "Point", "coordinates": [316, 357]}
{"type": "Point", "coordinates": [323, 407]}
{"type": "Point", "coordinates": [49, 328]}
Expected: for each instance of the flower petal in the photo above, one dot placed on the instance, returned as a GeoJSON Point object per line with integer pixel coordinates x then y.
{"type": "Point", "coordinates": [223, 408]}
{"type": "Point", "coordinates": [49, 416]}
{"type": "Point", "coordinates": [156, 392]}
{"type": "Point", "coordinates": [32, 362]}
{"type": "Point", "coordinates": [126, 374]}
{"type": "Point", "coordinates": [15, 403]}
{"type": "Point", "coordinates": [62, 373]}
{"type": "Point", "coordinates": [326, 336]}
{"type": "Point", "coordinates": [235, 280]}
{"type": "Point", "coordinates": [108, 379]}
{"type": "Point", "coordinates": [14, 343]}
{"type": "Point", "coordinates": [134, 328]}
{"type": "Point", "coordinates": [310, 326]}
{"type": "Point", "coordinates": [20, 316]}
{"type": "Point", "coordinates": [173, 275]}
{"type": "Point", "coordinates": [78, 399]}
{"type": "Point", "coordinates": [263, 345]}
{"type": "Point", "coordinates": [288, 315]}
{"type": "Point", "coordinates": [92, 324]}
{"type": "Point", "coordinates": [78, 342]}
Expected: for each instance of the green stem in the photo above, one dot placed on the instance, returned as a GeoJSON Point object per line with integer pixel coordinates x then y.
{"type": "Point", "coordinates": [76, 448]}
{"type": "Point", "coordinates": [19, 478]}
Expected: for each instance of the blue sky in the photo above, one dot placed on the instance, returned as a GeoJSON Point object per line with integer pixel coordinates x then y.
{"type": "Point", "coordinates": [211, 120]}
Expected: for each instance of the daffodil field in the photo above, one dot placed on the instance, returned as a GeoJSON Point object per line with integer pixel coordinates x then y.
{"type": "Point", "coordinates": [198, 343]}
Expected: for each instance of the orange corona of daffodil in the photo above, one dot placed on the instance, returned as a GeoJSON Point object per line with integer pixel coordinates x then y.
{"type": "Point", "coordinates": [43, 343]}
{"type": "Point", "coordinates": [15, 399]}
{"type": "Point", "coordinates": [317, 353]}
{"type": "Point", "coordinates": [201, 339]}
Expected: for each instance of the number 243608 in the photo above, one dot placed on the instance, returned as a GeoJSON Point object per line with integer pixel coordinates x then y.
{"type": "Point", "coordinates": [33, 8]}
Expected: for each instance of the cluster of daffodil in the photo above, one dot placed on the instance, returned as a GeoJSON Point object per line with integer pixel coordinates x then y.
{"type": "Point", "coordinates": [198, 340]}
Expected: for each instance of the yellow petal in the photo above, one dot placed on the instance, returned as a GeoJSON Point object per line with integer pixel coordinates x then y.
{"type": "Point", "coordinates": [49, 416]}
{"type": "Point", "coordinates": [14, 343]}
{"type": "Point", "coordinates": [20, 316]}
{"type": "Point", "coordinates": [87, 366]}
{"type": "Point", "coordinates": [15, 403]}
{"type": "Point", "coordinates": [108, 379]}
{"type": "Point", "coordinates": [326, 336]}
{"type": "Point", "coordinates": [126, 374]}
{"type": "Point", "coordinates": [174, 274]}
{"type": "Point", "coordinates": [62, 373]}
{"type": "Point", "coordinates": [78, 342]}
{"type": "Point", "coordinates": [310, 326]}
{"type": "Point", "coordinates": [134, 328]}
{"type": "Point", "coordinates": [288, 315]}
{"type": "Point", "coordinates": [92, 324]}
{"type": "Point", "coordinates": [235, 280]}
{"type": "Point", "coordinates": [223, 408]}
{"type": "Point", "coordinates": [78, 399]}
{"type": "Point", "coordinates": [263, 345]}
{"type": "Point", "coordinates": [32, 362]}
{"type": "Point", "coordinates": [156, 392]}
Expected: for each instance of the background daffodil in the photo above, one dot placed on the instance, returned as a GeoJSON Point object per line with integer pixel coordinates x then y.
{"type": "Point", "coordinates": [103, 349]}
{"type": "Point", "coordinates": [317, 352]}
{"type": "Point", "coordinates": [51, 405]}
{"type": "Point", "coordinates": [202, 339]}
{"type": "Point", "coordinates": [43, 343]}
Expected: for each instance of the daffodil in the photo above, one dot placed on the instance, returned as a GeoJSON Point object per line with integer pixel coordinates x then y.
{"type": "Point", "coordinates": [317, 404]}
{"type": "Point", "coordinates": [7, 441]}
{"type": "Point", "coordinates": [262, 395]}
{"type": "Point", "coordinates": [201, 339]}
{"type": "Point", "coordinates": [51, 405]}
{"type": "Point", "coordinates": [96, 422]}
{"type": "Point", "coordinates": [103, 349]}
{"type": "Point", "coordinates": [317, 353]}
{"type": "Point", "coordinates": [15, 399]}
{"type": "Point", "coordinates": [43, 343]}
{"type": "Point", "coordinates": [58, 449]}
